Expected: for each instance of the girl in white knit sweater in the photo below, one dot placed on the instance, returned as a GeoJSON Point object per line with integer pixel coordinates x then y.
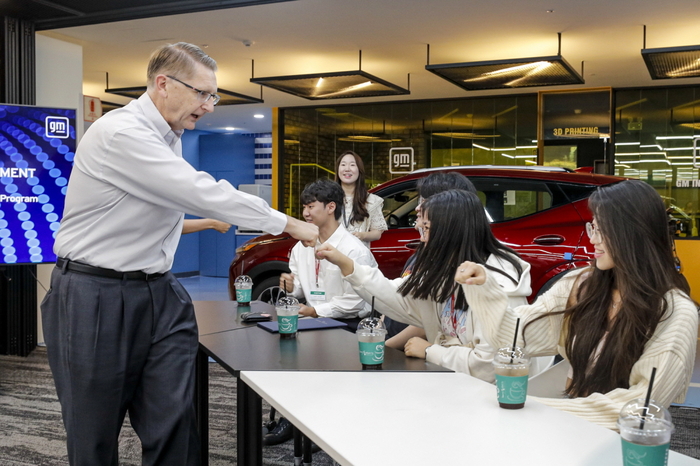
{"type": "Point", "coordinates": [454, 228]}
{"type": "Point", "coordinates": [614, 321]}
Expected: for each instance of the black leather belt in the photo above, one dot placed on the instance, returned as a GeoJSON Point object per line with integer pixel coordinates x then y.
{"type": "Point", "coordinates": [66, 264]}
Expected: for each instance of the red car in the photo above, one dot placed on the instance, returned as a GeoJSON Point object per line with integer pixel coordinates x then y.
{"type": "Point", "coordinates": [540, 212]}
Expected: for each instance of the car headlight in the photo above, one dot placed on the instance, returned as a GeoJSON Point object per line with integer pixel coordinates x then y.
{"type": "Point", "coordinates": [246, 247]}
{"type": "Point", "coordinates": [250, 245]}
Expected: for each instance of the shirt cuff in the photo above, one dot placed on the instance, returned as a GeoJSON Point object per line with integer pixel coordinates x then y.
{"type": "Point", "coordinates": [323, 310]}
{"type": "Point", "coordinates": [433, 353]}
{"type": "Point", "coordinates": [276, 223]}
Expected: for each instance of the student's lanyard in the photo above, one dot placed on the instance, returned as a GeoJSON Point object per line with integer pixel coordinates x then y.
{"type": "Point", "coordinates": [453, 314]}
{"type": "Point", "coordinates": [318, 269]}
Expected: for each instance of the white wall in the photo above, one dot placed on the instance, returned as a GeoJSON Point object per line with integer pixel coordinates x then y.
{"type": "Point", "coordinates": [59, 83]}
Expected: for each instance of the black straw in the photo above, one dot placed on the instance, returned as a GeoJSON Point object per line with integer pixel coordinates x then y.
{"type": "Point", "coordinates": [648, 399]}
{"type": "Point", "coordinates": [284, 283]}
{"type": "Point", "coordinates": [515, 339]}
{"type": "Point", "coordinates": [372, 313]}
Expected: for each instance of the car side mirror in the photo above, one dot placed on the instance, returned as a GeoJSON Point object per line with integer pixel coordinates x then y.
{"type": "Point", "coordinates": [392, 221]}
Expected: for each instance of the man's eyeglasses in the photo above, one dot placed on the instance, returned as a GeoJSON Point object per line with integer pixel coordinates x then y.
{"type": "Point", "coordinates": [593, 230]}
{"type": "Point", "coordinates": [203, 96]}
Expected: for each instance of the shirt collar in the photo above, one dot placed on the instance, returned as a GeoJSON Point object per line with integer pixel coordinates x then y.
{"type": "Point", "coordinates": [337, 235]}
{"type": "Point", "coordinates": [151, 112]}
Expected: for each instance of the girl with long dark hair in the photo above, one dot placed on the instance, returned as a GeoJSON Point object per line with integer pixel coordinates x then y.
{"type": "Point", "coordinates": [454, 228]}
{"type": "Point", "coordinates": [362, 213]}
{"type": "Point", "coordinates": [614, 321]}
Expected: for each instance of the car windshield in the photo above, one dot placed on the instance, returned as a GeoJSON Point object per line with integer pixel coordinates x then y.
{"type": "Point", "coordinates": [504, 199]}
{"type": "Point", "coordinates": [400, 206]}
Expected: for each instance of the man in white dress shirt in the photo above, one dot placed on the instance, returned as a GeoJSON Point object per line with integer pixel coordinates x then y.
{"type": "Point", "coordinates": [320, 282]}
{"type": "Point", "coordinates": [120, 329]}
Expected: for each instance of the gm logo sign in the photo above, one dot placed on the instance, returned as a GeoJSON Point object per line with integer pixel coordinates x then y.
{"type": "Point", "coordinates": [400, 160]}
{"type": "Point", "coordinates": [57, 127]}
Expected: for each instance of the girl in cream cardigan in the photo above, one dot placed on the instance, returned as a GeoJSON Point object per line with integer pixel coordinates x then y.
{"type": "Point", "coordinates": [615, 321]}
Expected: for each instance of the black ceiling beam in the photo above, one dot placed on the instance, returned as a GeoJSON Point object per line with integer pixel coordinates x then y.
{"type": "Point", "coordinates": [58, 6]}
{"type": "Point", "coordinates": [154, 9]}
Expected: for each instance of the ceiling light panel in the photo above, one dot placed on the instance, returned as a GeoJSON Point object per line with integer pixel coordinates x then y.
{"type": "Point", "coordinates": [462, 135]}
{"type": "Point", "coordinates": [673, 62]}
{"type": "Point", "coordinates": [340, 85]}
{"type": "Point", "coordinates": [234, 98]}
{"type": "Point", "coordinates": [507, 74]}
{"type": "Point", "coordinates": [109, 106]}
{"type": "Point", "coordinates": [227, 97]}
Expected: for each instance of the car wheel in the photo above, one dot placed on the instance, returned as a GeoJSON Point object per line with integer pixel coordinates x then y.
{"type": "Point", "coordinates": [268, 290]}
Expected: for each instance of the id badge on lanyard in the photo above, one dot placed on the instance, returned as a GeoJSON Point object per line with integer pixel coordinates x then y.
{"type": "Point", "coordinates": [318, 292]}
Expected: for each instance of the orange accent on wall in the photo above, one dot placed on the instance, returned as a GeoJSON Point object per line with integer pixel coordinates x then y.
{"type": "Point", "coordinates": [275, 158]}
{"type": "Point", "coordinates": [689, 254]}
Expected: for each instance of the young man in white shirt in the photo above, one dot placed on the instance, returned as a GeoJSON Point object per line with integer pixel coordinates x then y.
{"type": "Point", "coordinates": [320, 282]}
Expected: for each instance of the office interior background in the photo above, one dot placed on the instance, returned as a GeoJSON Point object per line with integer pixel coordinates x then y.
{"type": "Point", "coordinates": [615, 117]}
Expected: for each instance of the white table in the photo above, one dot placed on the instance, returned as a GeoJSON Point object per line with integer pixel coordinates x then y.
{"type": "Point", "coordinates": [402, 418]}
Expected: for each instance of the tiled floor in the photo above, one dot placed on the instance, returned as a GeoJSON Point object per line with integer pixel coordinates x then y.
{"type": "Point", "coordinates": [216, 289]}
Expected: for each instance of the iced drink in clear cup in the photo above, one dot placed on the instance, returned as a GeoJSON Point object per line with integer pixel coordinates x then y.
{"type": "Point", "coordinates": [244, 289]}
{"type": "Point", "coordinates": [646, 433]}
{"type": "Point", "coordinates": [287, 309]}
{"type": "Point", "coordinates": [371, 334]}
{"type": "Point", "coordinates": [512, 367]}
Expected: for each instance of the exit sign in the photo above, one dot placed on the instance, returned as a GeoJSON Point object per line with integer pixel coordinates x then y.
{"type": "Point", "coordinates": [92, 108]}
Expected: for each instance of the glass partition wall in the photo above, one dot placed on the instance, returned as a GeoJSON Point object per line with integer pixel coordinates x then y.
{"type": "Point", "coordinates": [654, 133]}
{"type": "Point", "coordinates": [477, 131]}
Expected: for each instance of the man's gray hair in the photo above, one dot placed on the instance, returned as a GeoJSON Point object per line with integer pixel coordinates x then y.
{"type": "Point", "coordinates": [178, 60]}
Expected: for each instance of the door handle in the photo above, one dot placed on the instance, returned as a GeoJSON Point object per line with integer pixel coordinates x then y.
{"type": "Point", "coordinates": [549, 240]}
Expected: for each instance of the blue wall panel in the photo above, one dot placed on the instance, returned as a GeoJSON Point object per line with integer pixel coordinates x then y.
{"type": "Point", "coordinates": [232, 158]}
{"type": "Point", "coordinates": [187, 254]}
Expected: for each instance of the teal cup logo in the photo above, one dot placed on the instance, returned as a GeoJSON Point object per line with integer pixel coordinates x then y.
{"type": "Point", "coordinates": [287, 309]}
{"type": "Point", "coordinates": [244, 289]}
{"type": "Point", "coordinates": [288, 324]}
{"type": "Point", "coordinates": [243, 296]}
{"type": "Point", "coordinates": [371, 345]}
{"type": "Point", "coordinates": [512, 368]}
{"type": "Point", "coordinates": [645, 433]}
